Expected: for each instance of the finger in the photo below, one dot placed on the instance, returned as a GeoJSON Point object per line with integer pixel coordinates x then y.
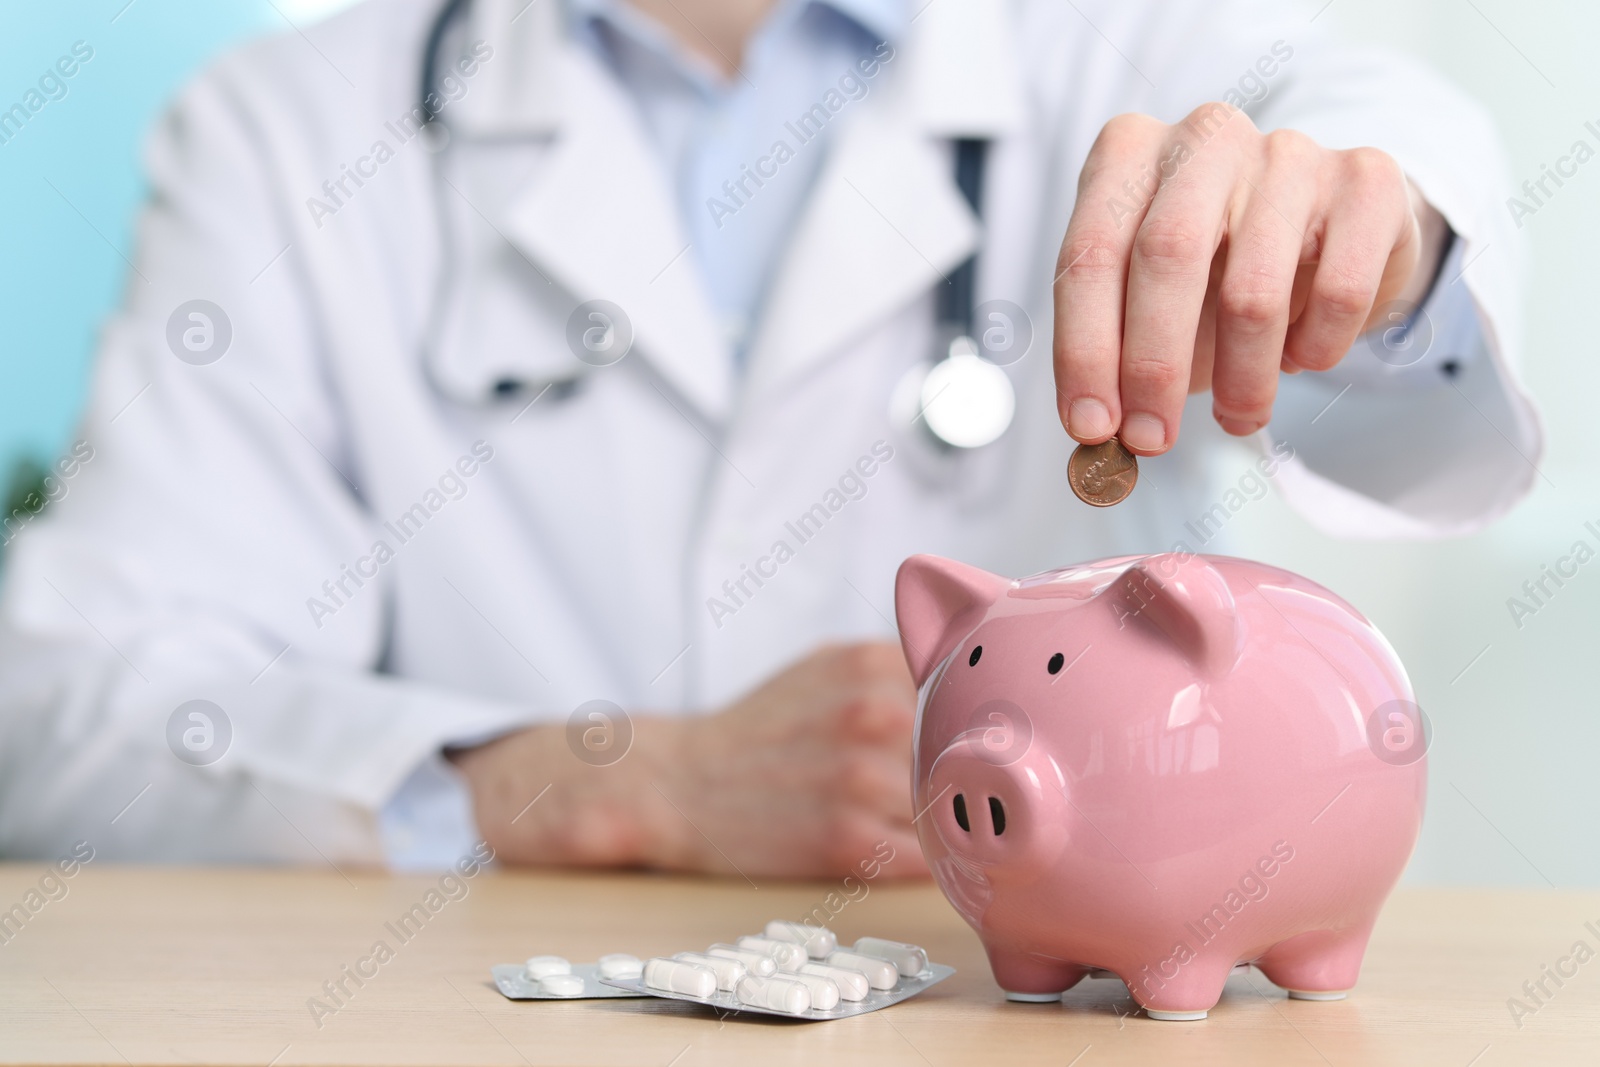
{"type": "Point", "coordinates": [1091, 273]}
{"type": "Point", "coordinates": [871, 781]}
{"type": "Point", "coordinates": [868, 669]}
{"type": "Point", "coordinates": [1167, 275]}
{"type": "Point", "coordinates": [855, 842]}
{"type": "Point", "coordinates": [871, 662]}
{"type": "Point", "coordinates": [871, 851]}
{"type": "Point", "coordinates": [1205, 336]}
{"type": "Point", "coordinates": [881, 721]}
{"type": "Point", "coordinates": [1298, 297]}
{"type": "Point", "coordinates": [1266, 243]}
{"type": "Point", "coordinates": [1369, 220]}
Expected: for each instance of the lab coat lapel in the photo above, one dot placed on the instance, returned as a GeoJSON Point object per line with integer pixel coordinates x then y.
{"type": "Point", "coordinates": [886, 221]}
{"type": "Point", "coordinates": [883, 224]}
{"type": "Point", "coordinates": [599, 217]}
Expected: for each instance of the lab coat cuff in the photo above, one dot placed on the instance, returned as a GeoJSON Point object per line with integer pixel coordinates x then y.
{"type": "Point", "coordinates": [1407, 460]}
{"type": "Point", "coordinates": [1436, 436]}
{"type": "Point", "coordinates": [428, 823]}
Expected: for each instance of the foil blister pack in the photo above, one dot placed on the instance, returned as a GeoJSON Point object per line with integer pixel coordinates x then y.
{"type": "Point", "coordinates": [513, 980]}
{"type": "Point", "coordinates": [792, 970]}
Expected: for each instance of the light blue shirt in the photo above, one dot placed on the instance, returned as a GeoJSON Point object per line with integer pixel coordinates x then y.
{"type": "Point", "coordinates": [743, 152]}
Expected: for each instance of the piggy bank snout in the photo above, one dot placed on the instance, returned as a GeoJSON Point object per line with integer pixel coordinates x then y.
{"type": "Point", "coordinates": [996, 816]}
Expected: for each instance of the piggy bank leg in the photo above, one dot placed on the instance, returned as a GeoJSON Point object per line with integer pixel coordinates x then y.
{"type": "Point", "coordinates": [1186, 996]}
{"type": "Point", "coordinates": [1320, 965]}
{"type": "Point", "coordinates": [1028, 978]}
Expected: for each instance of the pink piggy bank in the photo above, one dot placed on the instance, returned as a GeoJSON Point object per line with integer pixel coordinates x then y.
{"type": "Point", "coordinates": [1160, 767]}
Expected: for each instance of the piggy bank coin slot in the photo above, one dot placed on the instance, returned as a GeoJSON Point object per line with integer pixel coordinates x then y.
{"type": "Point", "coordinates": [997, 815]}
{"type": "Point", "coordinates": [960, 805]}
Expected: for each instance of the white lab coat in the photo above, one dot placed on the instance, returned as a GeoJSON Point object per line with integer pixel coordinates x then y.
{"type": "Point", "coordinates": [579, 560]}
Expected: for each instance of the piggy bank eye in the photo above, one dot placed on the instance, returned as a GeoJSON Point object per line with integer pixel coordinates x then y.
{"type": "Point", "coordinates": [977, 651]}
{"type": "Point", "coordinates": [1054, 667]}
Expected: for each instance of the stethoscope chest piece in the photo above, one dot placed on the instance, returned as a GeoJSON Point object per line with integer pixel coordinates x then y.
{"type": "Point", "coordinates": [962, 401]}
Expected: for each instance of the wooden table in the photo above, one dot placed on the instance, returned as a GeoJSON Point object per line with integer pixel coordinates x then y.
{"type": "Point", "coordinates": [179, 966]}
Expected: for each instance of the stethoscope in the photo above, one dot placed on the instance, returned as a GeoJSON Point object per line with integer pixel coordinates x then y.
{"type": "Point", "coordinates": [959, 397]}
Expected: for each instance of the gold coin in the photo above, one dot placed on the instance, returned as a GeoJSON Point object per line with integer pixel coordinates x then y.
{"type": "Point", "coordinates": [1103, 474]}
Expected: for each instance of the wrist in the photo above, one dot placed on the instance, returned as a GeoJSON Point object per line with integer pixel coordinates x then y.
{"type": "Point", "coordinates": [662, 784]}
{"type": "Point", "coordinates": [535, 802]}
{"type": "Point", "coordinates": [492, 785]}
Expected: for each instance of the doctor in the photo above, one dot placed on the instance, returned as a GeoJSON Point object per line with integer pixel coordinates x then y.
{"type": "Point", "coordinates": [541, 476]}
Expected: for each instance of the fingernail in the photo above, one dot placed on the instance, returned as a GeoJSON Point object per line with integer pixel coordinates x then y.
{"type": "Point", "coordinates": [1143, 433]}
{"type": "Point", "coordinates": [1088, 419]}
{"type": "Point", "coordinates": [1238, 427]}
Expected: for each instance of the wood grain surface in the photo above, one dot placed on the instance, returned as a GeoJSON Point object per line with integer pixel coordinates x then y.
{"type": "Point", "coordinates": [220, 966]}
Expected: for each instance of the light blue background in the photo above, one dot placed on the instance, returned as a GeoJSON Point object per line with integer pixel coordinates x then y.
{"type": "Point", "coordinates": [59, 278]}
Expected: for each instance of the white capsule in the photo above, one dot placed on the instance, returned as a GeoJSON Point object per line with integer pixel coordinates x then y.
{"type": "Point", "coordinates": [561, 985]}
{"type": "Point", "coordinates": [881, 974]}
{"type": "Point", "coordinates": [909, 960]}
{"type": "Point", "coordinates": [728, 971]}
{"type": "Point", "coordinates": [675, 976]}
{"type": "Point", "coordinates": [757, 963]}
{"type": "Point", "coordinates": [540, 966]}
{"type": "Point", "coordinates": [852, 985]}
{"type": "Point", "coordinates": [818, 940]}
{"type": "Point", "coordinates": [779, 994]}
{"type": "Point", "coordinates": [824, 991]}
{"type": "Point", "coordinates": [786, 954]}
{"type": "Point", "coordinates": [620, 965]}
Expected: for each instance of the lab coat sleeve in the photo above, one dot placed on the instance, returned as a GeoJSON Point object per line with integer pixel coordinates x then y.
{"type": "Point", "coordinates": [180, 564]}
{"type": "Point", "coordinates": [1382, 447]}
{"type": "Point", "coordinates": [1432, 434]}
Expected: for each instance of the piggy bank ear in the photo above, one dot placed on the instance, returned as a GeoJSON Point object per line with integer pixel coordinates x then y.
{"type": "Point", "coordinates": [937, 602]}
{"type": "Point", "coordinates": [1185, 600]}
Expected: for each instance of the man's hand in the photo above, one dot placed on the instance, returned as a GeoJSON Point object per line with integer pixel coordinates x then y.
{"type": "Point", "coordinates": [1210, 255]}
{"type": "Point", "coordinates": [808, 776]}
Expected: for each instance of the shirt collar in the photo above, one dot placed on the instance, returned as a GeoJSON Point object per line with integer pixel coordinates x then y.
{"type": "Point", "coordinates": [886, 20]}
{"type": "Point", "coordinates": [960, 76]}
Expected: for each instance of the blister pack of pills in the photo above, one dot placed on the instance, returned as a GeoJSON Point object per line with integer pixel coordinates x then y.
{"type": "Point", "coordinates": [553, 978]}
{"type": "Point", "coordinates": [793, 970]}
{"type": "Point", "coordinates": [790, 969]}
